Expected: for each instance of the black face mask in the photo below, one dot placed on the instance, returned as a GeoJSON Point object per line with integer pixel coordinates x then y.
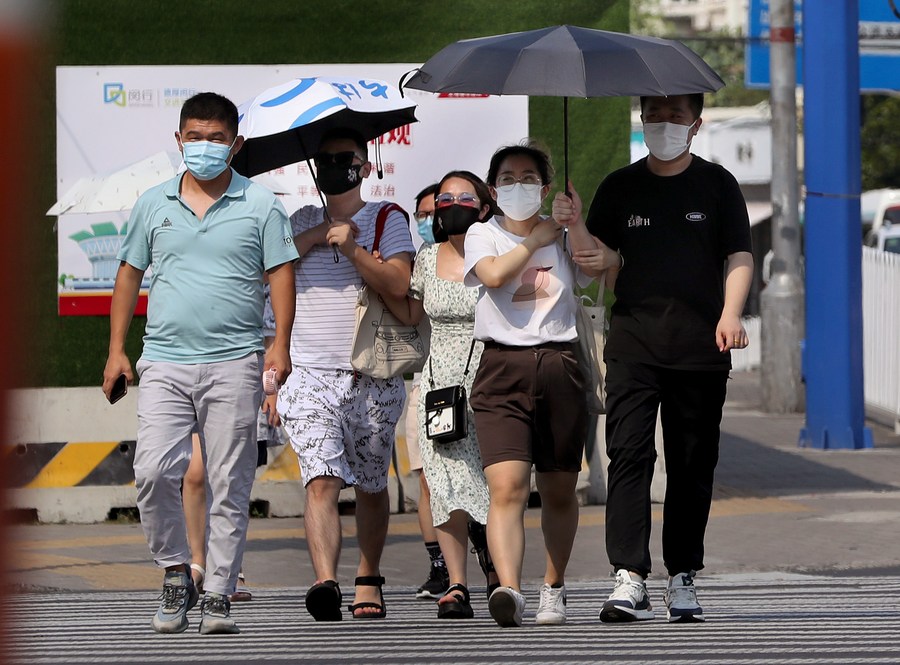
{"type": "Point", "coordinates": [456, 219]}
{"type": "Point", "coordinates": [334, 179]}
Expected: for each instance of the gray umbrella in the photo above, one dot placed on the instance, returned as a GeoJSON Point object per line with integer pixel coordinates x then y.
{"type": "Point", "coordinates": [566, 61]}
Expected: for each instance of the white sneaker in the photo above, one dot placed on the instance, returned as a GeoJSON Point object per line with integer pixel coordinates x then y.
{"type": "Point", "coordinates": [506, 606]}
{"type": "Point", "coordinates": [552, 608]}
{"type": "Point", "coordinates": [681, 600]}
{"type": "Point", "coordinates": [629, 601]}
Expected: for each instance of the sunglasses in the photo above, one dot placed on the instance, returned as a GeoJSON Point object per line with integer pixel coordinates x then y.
{"type": "Point", "coordinates": [337, 158]}
{"type": "Point", "coordinates": [464, 199]}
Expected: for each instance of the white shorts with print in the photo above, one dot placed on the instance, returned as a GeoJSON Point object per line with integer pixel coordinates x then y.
{"type": "Point", "coordinates": [342, 424]}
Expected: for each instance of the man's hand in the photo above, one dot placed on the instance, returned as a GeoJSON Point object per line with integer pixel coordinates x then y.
{"type": "Point", "coordinates": [730, 334]}
{"type": "Point", "coordinates": [280, 359]}
{"type": "Point", "coordinates": [595, 261]}
{"type": "Point", "coordinates": [567, 210]}
{"type": "Point", "coordinates": [268, 407]}
{"type": "Point", "coordinates": [343, 232]}
{"type": "Point", "coordinates": [116, 365]}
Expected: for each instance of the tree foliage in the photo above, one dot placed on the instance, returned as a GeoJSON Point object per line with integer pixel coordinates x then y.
{"type": "Point", "coordinates": [879, 137]}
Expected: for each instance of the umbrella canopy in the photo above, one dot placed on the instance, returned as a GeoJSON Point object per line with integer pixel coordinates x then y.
{"type": "Point", "coordinates": [118, 190]}
{"type": "Point", "coordinates": [284, 124]}
{"type": "Point", "coordinates": [566, 61]}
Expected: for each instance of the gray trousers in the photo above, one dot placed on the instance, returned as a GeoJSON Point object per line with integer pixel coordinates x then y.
{"type": "Point", "coordinates": [222, 399]}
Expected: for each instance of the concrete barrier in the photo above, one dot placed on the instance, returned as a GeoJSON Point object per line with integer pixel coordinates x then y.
{"type": "Point", "coordinates": [73, 455]}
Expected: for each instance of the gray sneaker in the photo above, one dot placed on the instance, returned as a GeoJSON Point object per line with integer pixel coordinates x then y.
{"type": "Point", "coordinates": [178, 596]}
{"type": "Point", "coordinates": [215, 615]}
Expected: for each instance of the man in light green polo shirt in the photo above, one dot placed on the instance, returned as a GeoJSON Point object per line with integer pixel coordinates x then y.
{"type": "Point", "coordinates": [208, 234]}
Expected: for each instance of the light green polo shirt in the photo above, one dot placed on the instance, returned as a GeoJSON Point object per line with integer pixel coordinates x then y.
{"type": "Point", "coordinates": [206, 288]}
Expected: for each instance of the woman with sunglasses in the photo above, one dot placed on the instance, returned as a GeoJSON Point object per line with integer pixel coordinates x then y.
{"type": "Point", "coordinates": [453, 470]}
{"type": "Point", "coordinates": [528, 397]}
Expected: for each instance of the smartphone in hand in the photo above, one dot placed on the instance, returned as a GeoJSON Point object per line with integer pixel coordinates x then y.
{"type": "Point", "coordinates": [119, 389]}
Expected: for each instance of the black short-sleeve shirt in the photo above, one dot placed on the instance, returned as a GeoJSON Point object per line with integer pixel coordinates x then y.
{"type": "Point", "coordinates": [675, 234]}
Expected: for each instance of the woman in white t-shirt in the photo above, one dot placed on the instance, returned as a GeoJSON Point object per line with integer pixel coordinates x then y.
{"type": "Point", "coordinates": [529, 394]}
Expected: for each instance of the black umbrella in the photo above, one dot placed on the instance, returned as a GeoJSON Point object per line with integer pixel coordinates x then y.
{"type": "Point", "coordinates": [566, 61]}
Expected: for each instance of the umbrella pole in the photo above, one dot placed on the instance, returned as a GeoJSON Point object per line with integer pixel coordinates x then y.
{"type": "Point", "coordinates": [334, 249]}
{"type": "Point", "coordinates": [566, 162]}
{"type": "Point", "coordinates": [566, 146]}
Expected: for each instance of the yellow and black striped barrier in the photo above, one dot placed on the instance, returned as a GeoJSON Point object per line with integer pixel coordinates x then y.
{"type": "Point", "coordinates": [74, 464]}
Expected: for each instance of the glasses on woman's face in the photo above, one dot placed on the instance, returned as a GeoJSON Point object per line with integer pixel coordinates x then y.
{"type": "Point", "coordinates": [423, 215]}
{"type": "Point", "coordinates": [464, 199]}
{"type": "Point", "coordinates": [509, 179]}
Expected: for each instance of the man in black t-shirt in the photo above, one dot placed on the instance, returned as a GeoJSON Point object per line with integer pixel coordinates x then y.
{"type": "Point", "coordinates": [671, 233]}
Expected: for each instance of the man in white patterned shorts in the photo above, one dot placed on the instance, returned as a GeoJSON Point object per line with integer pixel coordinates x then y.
{"type": "Point", "coordinates": [342, 423]}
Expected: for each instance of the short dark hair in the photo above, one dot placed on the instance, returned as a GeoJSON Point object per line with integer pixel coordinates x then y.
{"type": "Point", "coordinates": [340, 133]}
{"type": "Point", "coordinates": [695, 101]}
{"type": "Point", "coordinates": [529, 148]}
{"type": "Point", "coordinates": [431, 190]}
{"type": "Point", "coordinates": [210, 106]}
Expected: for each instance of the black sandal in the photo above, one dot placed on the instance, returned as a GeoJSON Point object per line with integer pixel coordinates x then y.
{"type": "Point", "coordinates": [458, 608]}
{"type": "Point", "coordinates": [478, 536]}
{"type": "Point", "coordinates": [382, 608]}
{"type": "Point", "coordinates": [323, 601]}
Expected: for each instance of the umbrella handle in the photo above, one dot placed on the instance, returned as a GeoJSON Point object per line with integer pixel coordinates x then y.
{"type": "Point", "coordinates": [334, 249]}
{"type": "Point", "coordinates": [407, 76]}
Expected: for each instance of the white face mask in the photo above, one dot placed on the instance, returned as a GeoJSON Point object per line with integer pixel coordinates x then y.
{"type": "Point", "coordinates": [518, 201]}
{"type": "Point", "coordinates": [666, 140]}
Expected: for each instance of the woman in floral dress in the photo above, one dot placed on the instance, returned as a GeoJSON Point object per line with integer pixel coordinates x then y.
{"type": "Point", "coordinates": [453, 470]}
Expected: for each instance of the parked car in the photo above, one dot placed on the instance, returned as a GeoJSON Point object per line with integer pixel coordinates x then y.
{"type": "Point", "coordinates": [878, 207]}
{"type": "Point", "coordinates": [886, 238]}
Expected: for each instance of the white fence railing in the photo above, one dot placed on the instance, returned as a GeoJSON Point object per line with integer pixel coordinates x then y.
{"type": "Point", "coordinates": [881, 331]}
{"type": "Point", "coordinates": [881, 334]}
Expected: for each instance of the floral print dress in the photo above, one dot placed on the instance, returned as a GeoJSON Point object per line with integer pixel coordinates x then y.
{"type": "Point", "coordinates": [453, 470]}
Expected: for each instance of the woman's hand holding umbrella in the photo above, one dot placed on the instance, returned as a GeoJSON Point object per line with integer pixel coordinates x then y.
{"type": "Point", "coordinates": [567, 208]}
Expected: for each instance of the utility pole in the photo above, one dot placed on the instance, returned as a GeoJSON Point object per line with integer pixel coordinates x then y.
{"type": "Point", "coordinates": [833, 363]}
{"type": "Point", "coordinates": [781, 302]}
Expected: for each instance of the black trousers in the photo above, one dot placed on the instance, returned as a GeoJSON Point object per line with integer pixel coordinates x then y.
{"type": "Point", "coordinates": [690, 404]}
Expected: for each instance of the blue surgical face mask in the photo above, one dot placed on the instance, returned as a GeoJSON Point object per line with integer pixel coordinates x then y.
{"type": "Point", "coordinates": [425, 229]}
{"type": "Point", "coordinates": [205, 159]}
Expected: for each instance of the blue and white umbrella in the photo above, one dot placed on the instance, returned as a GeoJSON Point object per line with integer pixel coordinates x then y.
{"type": "Point", "coordinates": [284, 124]}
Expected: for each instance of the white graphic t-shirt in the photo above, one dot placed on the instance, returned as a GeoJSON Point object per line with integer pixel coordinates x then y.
{"type": "Point", "coordinates": [534, 307]}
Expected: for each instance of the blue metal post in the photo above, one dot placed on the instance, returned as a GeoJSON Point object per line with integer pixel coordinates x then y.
{"type": "Point", "coordinates": [832, 363]}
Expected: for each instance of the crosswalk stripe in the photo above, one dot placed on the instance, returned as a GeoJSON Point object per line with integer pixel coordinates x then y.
{"type": "Point", "coordinates": [763, 622]}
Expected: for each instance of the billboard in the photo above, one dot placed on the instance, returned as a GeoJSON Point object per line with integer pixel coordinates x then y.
{"type": "Point", "coordinates": [879, 45]}
{"type": "Point", "coordinates": [110, 117]}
